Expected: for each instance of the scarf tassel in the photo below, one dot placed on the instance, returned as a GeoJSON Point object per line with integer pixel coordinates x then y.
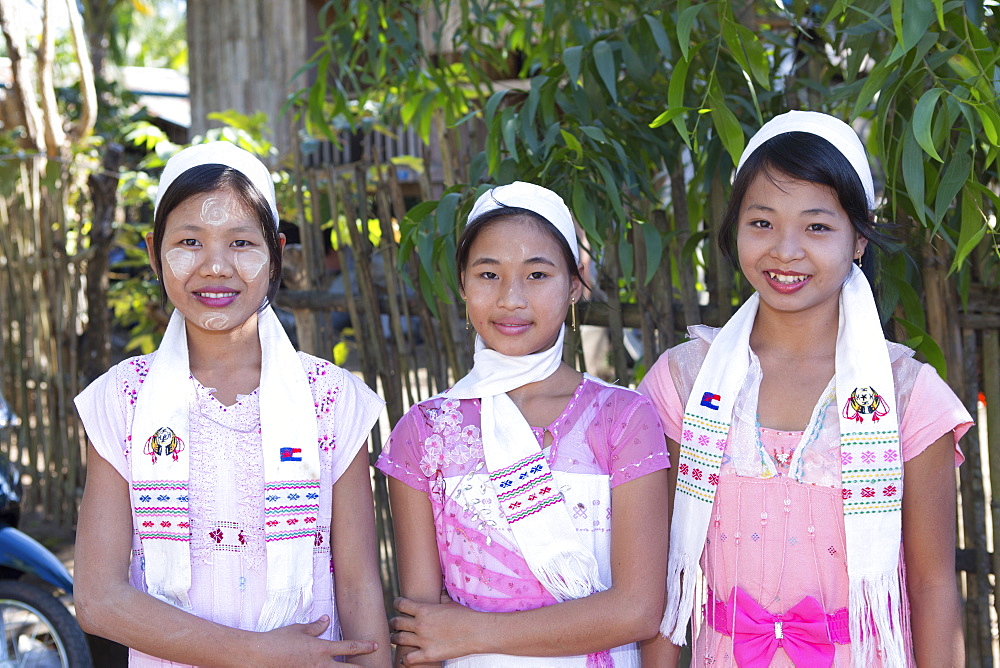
{"type": "Point", "coordinates": [284, 607]}
{"type": "Point", "coordinates": [569, 575]}
{"type": "Point", "coordinates": [681, 582]}
{"type": "Point", "coordinates": [875, 607]}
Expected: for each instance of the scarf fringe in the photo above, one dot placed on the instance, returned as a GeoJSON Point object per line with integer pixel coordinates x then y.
{"type": "Point", "coordinates": [570, 574]}
{"type": "Point", "coordinates": [284, 607]}
{"type": "Point", "coordinates": [875, 607]}
{"type": "Point", "coordinates": [681, 582]}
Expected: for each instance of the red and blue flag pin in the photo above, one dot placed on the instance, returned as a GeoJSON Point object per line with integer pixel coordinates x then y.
{"type": "Point", "coordinates": [291, 454]}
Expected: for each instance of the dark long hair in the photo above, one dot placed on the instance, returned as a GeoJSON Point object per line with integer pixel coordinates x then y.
{"type": "Point", "coordinates": [213, 178]}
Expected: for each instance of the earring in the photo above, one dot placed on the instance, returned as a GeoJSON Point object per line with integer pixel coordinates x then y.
{"type": "Point", "coordinates": [857, 261]}
{"type": "Point", "coordinates": [468, 323]}
{"type": "Point", "coordinates": [573, 311]}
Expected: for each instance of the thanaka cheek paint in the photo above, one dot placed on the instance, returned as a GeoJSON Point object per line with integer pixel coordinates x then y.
{"type": "Point", "coordinates": [180, 262]}
{"type": "Point", "coordinates": [212, 320]}
{"type": "Point", "coordinates": [214, 211]}
{"type": "Point", "coordinates": [249, 263]}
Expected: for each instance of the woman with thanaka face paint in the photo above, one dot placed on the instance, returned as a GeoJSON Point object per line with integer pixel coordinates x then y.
{"type": "Point", "coordinates": [227, 474]}
{"type": "Point", "coordinates": [794, 540]}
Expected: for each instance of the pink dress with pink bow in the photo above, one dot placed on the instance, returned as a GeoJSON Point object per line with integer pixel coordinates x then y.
{"type": "Point", "coordinates": [775, 559]}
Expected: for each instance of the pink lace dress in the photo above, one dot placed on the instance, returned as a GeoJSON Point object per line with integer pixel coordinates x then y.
{"type": "Point", "coordinates": [605, 437]}
{"type": "Point", "coordinates": [781, 539]}
{"type": "Point", "coordinates": [228, 557]}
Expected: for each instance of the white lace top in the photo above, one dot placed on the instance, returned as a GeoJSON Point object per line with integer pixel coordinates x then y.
{"type": "Point", "coordinates": [228, 557]}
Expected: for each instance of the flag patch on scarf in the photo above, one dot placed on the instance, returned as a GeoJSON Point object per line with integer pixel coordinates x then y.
{"type": "Point", "coordinates": [708, 400]}
{"type": "Point", "coordinates": [291, 454]}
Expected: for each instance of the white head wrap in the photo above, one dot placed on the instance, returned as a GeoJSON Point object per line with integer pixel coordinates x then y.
{"type": "Point", "coordinates": [537, 199]}
{"type": "Point", "coordinates": [837, 132]}
{"type": "Point", "coordinates": [220, 153]}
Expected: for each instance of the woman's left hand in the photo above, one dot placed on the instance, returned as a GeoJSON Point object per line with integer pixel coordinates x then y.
{"type": "Point", "coordinates": [439, 631]}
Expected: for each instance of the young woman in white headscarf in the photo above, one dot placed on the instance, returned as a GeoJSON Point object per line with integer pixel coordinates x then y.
{"type": "Point", "coordinates": [813, 457]}
{"type": "Point", "coordinates": [227, 474]}
{"type": "Point", "coordinates": [532, 494]}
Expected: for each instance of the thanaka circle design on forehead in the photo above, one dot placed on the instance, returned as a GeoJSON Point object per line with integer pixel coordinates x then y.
{"type": "Point", "coordinates": [214, 211]}
{"type": "Point", "coordinates": [214, 320]}
{"type": "Point", "coordinates": [180, 261]}
{"type": "Point", "coordinates": [249, 263]}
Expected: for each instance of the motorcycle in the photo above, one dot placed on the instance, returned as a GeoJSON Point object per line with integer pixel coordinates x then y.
{"type": "Point", "coordinates": [36, 628]}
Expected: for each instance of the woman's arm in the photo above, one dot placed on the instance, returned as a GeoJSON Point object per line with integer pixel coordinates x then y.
{"type": "Point", "coordinates": [355, 558]}
{"type": "Point", "coordinates": [659, 651]}
{"type": "Point", "coordinates": [416, 549]}
{"type": "Point", "coordinates": [107, 605]}
{"type": "Point", "coordinates": [929, 548]}
{"type": "Point", "coordinates": [629, 611]}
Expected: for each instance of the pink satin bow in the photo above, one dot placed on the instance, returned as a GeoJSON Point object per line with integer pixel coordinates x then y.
{"type": "Point", "coordinates": [801, 632]}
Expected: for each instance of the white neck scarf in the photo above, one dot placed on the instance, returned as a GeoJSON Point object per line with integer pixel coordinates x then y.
{"type": "Point", "coordinates": [160, 437]}
{"type": "Point", "coordinates": [531, 501]}
{"type": "Point", "coordinates": [871, 470]}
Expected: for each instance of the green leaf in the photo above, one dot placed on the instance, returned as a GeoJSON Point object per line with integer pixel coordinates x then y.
{"type": "Point", "coordinates": [572, 59]}
{"type": "Point", "coordinates": [493, 103]}
{"type": "Point", "coordinates": [583, 209]}
{"type": "Point", "coordinates": [508, 126]}
{"type": "Point", "coordinates": [653, 241]}
{"type": "Point", "coordinates": [595, 133]}
{"type": "Point", "coordinates": [729, 129]}
{"type": "Point", "coordinates": [991, 124]}
{"type": "Point", "coordinates": [918, 15]}
{"type": "Point", "coordinates": [659, 36]}
{"type": "Point", "coordinates": [684, 25]}
{"type": "Point", "coordinates": [973, 229]}
{"type": "Point", "coordinates": [926, 345]}
{"type": "Point", "coordinates": [923, 115]}
{"type": "Point", "coordinates": [667, 116]}
{"type": "Point", "coordinates": [955, 174]}
{"type": "Point", "coordinates": [572, 143]}
{"type": "Point", "coordinates": [913, 175]}
{"type": "Point", "coordinates": [604, 59]}
{"type": "Point", "coordinates": [873, 84]}
{"type": "Point", "coordinates": [675, 98]}
{"type": "Point", "coordinates": [896, 7]}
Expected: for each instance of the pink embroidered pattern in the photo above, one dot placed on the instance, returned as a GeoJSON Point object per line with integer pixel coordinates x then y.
{"type": "Point", "coordinates": [450, 442]}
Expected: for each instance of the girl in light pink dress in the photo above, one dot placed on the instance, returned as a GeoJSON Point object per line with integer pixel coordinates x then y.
{"type": "Point", "coordinates": [532, 494]}
{"type": "Point", "coordinates": [227, 517]}
{"type": "Point", "coordinates": [794, 541]}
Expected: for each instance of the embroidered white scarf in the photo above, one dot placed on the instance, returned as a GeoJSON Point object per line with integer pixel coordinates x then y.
{"type": "Point", "coordinates": [522, 481]}
{"type": "Point", "coordinates": [871, 470]}
{"type": "Point", "coordinates": [160, 437]}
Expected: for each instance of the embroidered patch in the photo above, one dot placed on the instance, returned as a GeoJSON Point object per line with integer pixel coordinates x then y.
{"type": "Point", "coordinates": [528, 488]}
{"type": "Point", "coordinates": [708, 400]}
{"type": "Point", "coordinates": [865, 401]}
{"type": "Point", "coordinates": [164, 442]}
{"type": "Point", "coordinates": [291, 454]}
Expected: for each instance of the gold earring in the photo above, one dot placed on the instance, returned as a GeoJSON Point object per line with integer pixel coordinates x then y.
{"type": "Point", "coordinates": [858, 260]}
{"type": "Point", "coordinates": [573, 311]}
{"type": "Point", "coordinates": [468, 323]}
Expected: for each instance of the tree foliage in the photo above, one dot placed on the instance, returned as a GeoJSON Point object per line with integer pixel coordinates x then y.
{"type": "Point", "coordinates": [612, 103]}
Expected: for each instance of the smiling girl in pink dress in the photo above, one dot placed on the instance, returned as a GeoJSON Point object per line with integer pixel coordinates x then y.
{"type": "Point", "coordinates": [795, 427]}
{"type": "Point", "coordinates": [227, 475]}
{"type": "Point", "coordinates": [533, 494]}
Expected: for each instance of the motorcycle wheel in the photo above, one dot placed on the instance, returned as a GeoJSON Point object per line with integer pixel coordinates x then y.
{"type": "Point", "coordinates": [37, 631]}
